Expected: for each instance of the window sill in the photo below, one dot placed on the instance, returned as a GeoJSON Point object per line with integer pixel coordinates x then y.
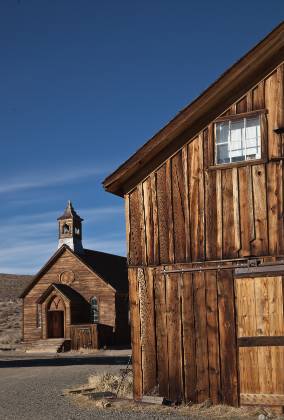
{"type": "Point", "coordinates": [236, 164]}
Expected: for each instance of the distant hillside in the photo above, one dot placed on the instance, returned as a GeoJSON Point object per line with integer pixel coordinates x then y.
{"type": "Point", "coordinates": [12, 285]}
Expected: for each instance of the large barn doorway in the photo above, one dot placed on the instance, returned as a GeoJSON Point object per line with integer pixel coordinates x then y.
{"type": "Point", "coordinates": [260, 329]}
{"type": "Point", "coordinates": [55, 318]}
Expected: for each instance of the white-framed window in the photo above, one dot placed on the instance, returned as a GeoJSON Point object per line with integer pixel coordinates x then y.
{"type": "Point", "coordinates": [95, 310]}
{"type": "Point", "coordinates": [237, 140]}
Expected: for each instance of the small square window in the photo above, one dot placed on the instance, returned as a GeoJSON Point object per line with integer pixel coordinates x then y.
{"type": "Point", "coordinates": [237, 140]}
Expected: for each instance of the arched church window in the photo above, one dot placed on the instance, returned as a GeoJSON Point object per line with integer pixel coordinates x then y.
{"type": "Point", "coordinates": [77, 231]}
{"type": "Point", "coordinates": [38, 316]}
{"type": "Point", "coordinates": [66, 228]}
{"type": "Point", "coordinates": [94, 310]}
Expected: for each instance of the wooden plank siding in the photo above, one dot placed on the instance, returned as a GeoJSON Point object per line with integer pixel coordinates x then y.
{"type": "Point", "coordinates": [189, 211]}
{"type": "Point", "coordinates": [193, 336]}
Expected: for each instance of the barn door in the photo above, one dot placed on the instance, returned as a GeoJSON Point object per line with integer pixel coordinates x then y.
{"type": "Point", "coordinates": [260, 329]}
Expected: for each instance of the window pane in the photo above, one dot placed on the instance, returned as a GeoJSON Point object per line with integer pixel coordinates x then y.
{"type": "Point", "coordinates": [222, 132]}
{"type": "Point", "coordinates": [238, 140]}
{"type": "Point", "coordinates": [222, 153]}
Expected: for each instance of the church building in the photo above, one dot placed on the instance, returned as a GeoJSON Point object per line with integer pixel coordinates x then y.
{"type": "Point", "coordinates": [79, 298]}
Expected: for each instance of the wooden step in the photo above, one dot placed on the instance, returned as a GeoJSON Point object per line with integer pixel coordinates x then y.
{"type": "Point", "coordinates": [53, 345]}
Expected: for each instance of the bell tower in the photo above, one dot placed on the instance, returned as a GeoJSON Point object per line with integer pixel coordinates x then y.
{"type": "Point", "coordinates": [70, 229]}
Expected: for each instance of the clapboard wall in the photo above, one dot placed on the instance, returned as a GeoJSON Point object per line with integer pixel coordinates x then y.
{"type": "Point", "coordinates": [189, 210]}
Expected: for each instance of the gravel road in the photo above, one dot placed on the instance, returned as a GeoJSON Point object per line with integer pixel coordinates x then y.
{"type": "Point", "coordinates": [31, 386]}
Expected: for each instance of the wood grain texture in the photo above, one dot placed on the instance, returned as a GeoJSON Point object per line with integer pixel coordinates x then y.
{"type": "Point", "coordinates": [135, 334]}
{"type": "Point", "coordinates": [228, 353]}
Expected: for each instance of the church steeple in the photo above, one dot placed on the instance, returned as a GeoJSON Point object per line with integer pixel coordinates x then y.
{"type": "Point", "coordinates": [70, 229]}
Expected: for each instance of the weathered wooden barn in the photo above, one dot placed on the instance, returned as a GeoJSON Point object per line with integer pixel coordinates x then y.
{"type": "Point", "coordinates": [79, 299]}
{"type": "Point", "coordinates": [205, 231]}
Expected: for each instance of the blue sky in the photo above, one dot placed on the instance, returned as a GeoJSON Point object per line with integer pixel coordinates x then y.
{"type": "Point", "coordinates": [83, 84]}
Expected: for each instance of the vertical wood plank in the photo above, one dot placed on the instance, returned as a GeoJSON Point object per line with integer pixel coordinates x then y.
{"type": "Point", "coordinates": [161, 334]}
{"type": "Point", "coordinates": [189, 354]}
{"type": "Point", "coordinates": [142, 224]}
{"type": "Point", "coordinates": [127, 225]}
{"type": "Point", "coordinates": [174, 337]}
{"type": "Point", "coordinates": [147, 328]}
{"type": "Point", "coordinates": [202, 382]}
{"type": "Point", "coordinates": [196, 194]}
{"type": "Point", "coordinates": [186, 204]}
{"type": "Point", "coordinates": [231, 243]}
{"type": "Point", "coordinates": [156, 257]}
{"type": "Point", "coordinates": [213, 215]}
{"type": "Point", "coordinates": [246, 210]}
{"type": "Point", "coordinates": [213, 336]}
{"type": "Point", "coordinates": [149, 223]}
{"type": "Point", "coordinates": [275, 207]}
{"type": "Point", "coordinates": [260, 244]}
{"type": "Point", "coordinates": [258, 101]}
{"type": "Point", "coordinates": [162, 204]}
{"type": "Point", "coordinates": [170, 226]}
{"type": "Point", "coordinates": [228, 345]}
{"type": "Point", "coordinates": [272, 102]}
{"type": "Point", "coordinates": [178, 208]}
{"type": "Point", "coordinates": [135, 334]}
{"type": "Point", "coordinates": [135, 229]}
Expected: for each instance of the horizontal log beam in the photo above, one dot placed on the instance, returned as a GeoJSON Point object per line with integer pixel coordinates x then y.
{"type": "Point", "coordinates": [261, 341]}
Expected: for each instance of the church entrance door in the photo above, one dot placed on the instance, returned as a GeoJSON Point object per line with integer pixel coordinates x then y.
{"type": "Point", "coordinates": [55, 324]}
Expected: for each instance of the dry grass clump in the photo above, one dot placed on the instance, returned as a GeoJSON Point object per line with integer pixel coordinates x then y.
{"type": "Point", "coordinates": [223, 411]}
{"type": "Point", "coordinates": [108, 382]}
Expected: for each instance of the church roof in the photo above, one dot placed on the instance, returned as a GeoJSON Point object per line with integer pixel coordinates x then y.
{"type": "Point", "coordinates": [69, 213]}
{"type": "Point", "coordinates": [231, 85]}
{"type": "Point", "coordinates": [65, 290]}
{"type": "Point", "coordinates": [112, 269]}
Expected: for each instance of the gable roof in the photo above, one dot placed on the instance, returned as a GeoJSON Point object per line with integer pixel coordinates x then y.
{"type": "Point", "coordinates": [66, 291]}
{"type": "Point", "coordinates": [231, 85]}
{"type": "Point", "coordinates": [112, 269]}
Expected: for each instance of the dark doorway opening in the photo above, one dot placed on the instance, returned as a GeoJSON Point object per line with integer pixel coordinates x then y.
{"type": "Point", "coordinates": [55, 322]}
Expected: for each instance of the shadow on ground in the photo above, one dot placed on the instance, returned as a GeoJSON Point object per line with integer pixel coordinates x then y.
{"type": "Point", "coordinates": [68, 361]}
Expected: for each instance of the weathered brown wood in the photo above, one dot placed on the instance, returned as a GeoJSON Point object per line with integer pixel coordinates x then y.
{"type": "Point", "coordinates": [136, 252]}
{"type": "Point", "coordinates": [149, 222]}
{"type": "Point", "coordinates": [213, 336]}
{"type": "Point", "coordinates": [246, 210]}
{"type": "Point", "coordinates": [174, 337]}
{"type": "Point", "coordinates": [147, 328]}
{"type": "Point", "coordinates": [202, 374]}
{"type": "Point", "coordinates": [231, 242]}
{"type": "Point", "coordinates": [156, 257]}
{"type": "Point", "coordinates": [261, 399]}
{"type": "Point", "coordinates": [275, 207]}
{"type": "Point", "coordinates": [135, 334]}
{"type": "Point", "coordinates": [161, 335]}
{"type": "Point", "coordinates": [260, 244]}
{"type": "Point", "coordinates": [228, 353]}
{"type": "Point", "coordinates": [261, 341]}
{"type": "Point", "coordinates": [171, 257]}
{"type": "Point", "coordinates": [189, 345]}
{"type": "Point", "coordinates": [196, 196]}
{"type": "Point", "coordinates": [162, 204]}
{"type": "Point", "coordinates": [186, 204]}
{"type": "Point", "coordinates": [179, 199]}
